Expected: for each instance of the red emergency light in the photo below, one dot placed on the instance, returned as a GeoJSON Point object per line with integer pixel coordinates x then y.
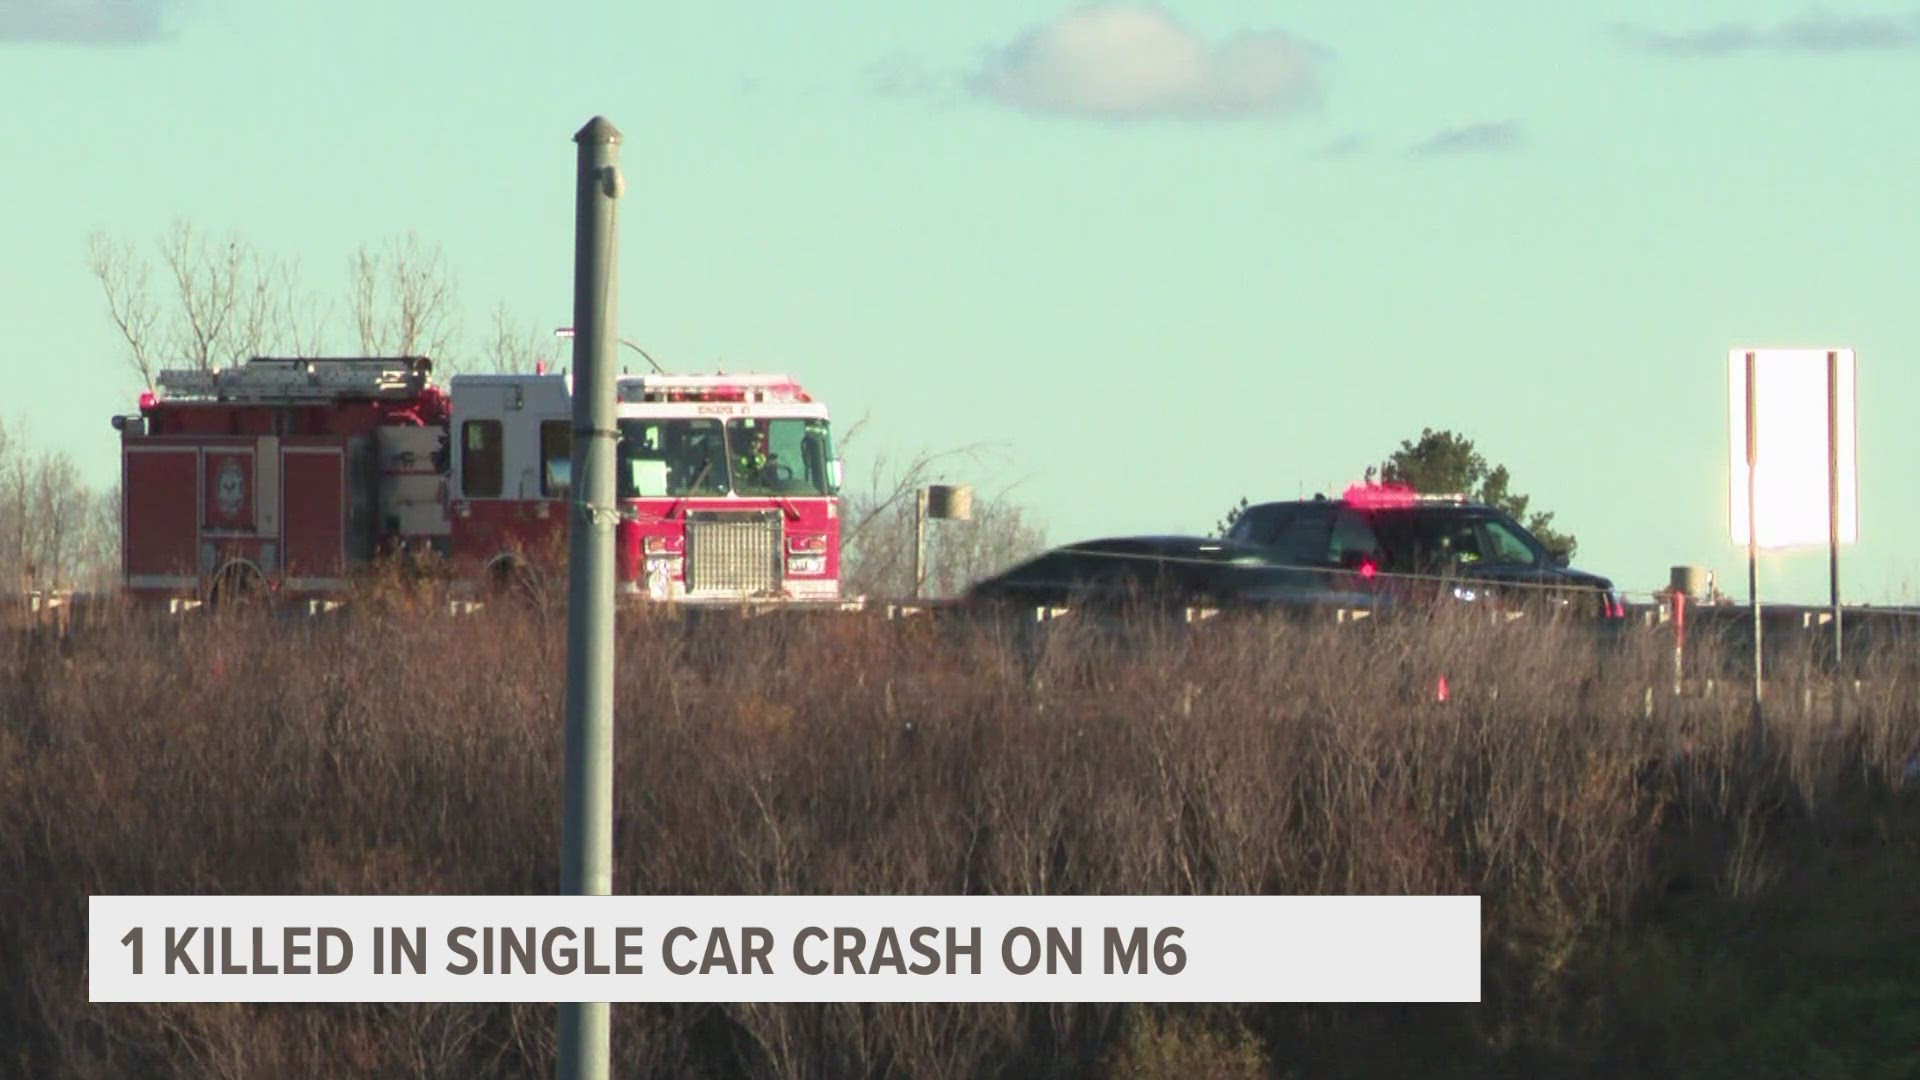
{"type": "Point", "coordinates": [1380, 496]}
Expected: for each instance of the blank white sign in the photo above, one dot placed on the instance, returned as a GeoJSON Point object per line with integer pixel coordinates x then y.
{"type": "Point", "coordinates": [1790, 460]}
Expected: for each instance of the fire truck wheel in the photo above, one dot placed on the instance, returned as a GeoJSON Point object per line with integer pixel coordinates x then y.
{"type": "Point", "coordinates": [238, 584]}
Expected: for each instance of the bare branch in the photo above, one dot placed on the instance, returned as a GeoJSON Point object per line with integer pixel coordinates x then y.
{"type": "Point", "coordinates": [403, 299]}
{"type": "Point", "coordinates": [877, 542]}
{"type": "Point", "coordinates": [515, 346]}
{"type": "Point", "coordinates": [364, 269]}
{"type": "Point", "coordinates": [123, 277]}
{"type": "Point", "coordinates": [300, 321]}
{"type": "Point", "coordinates": [207, 281]}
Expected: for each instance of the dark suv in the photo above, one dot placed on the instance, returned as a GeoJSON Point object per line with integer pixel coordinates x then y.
{"type": "Point", "coordinates": [1166, 570]}
{"type": "Point", "coordinates": [1427, 546]}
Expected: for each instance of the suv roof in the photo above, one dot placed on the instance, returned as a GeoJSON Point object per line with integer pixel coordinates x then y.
{"type": "Point", "coordinates": [1204, 548]}
{"type": "Point", "coordinates": [1389, 528]}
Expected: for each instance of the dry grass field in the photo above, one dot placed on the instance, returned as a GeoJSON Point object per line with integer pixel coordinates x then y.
{"type": "Point", "coordinates": [1663, 897]}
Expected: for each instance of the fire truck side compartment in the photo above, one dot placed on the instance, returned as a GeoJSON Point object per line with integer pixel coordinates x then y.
{"type": "Point", "coordinates": [162, 485]}
{"type": "Point", "coordinates": [315, 514]}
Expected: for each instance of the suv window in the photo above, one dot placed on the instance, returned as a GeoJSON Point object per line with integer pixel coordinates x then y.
{"type": "Point", "coordinates": [1427, 541]}
{"type": "Point", "coordinates": [1294, 532]}
{"type": "Point", "coordinates": [1506, 547]}
{"type": "Point", "coordinates": [1353, 537]}
{"type": "Point", "coordinates": [1306, 537]}
{"type": "Point", "coordinates": [1260, 524]}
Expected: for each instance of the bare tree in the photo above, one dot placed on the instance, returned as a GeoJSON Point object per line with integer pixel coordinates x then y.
{"type": "Point", "coordinates": [13, 510]}
{"type": "Point", "coordinates": [18, 487]}
{"type": "Point", "coordinates": [99, 543]}
{"type": "Point", "coordinates": [999, 535]}
{"type": "Point", "coordinates": [403, 299]}
{"type": "Point", "coordinates": [123, 276]}
{"type": "Point", "coordinates": [228, 301]}
{"type": "Point", "coordinates": [44, 512]}
{"type": "Point", "coordinates": [514, 345]}
{"type": "Point", "coordinates": [878, 540]}
{"type": "Point", "coordinates": [218, 301]}
{"type": "Point", "coordinates": [297, 321]}
{"type": "Point", "coordinates": [59, 504]}
{"type": "Point", "coordinates": [207, 282]}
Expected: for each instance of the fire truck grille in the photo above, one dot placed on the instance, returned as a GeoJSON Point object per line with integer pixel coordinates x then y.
{"type": "Point", "coordinates": [732, 552]}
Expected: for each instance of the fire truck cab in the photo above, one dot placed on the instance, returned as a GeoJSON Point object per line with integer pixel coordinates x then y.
{"type": "Point", "coordinates": [729, 488]}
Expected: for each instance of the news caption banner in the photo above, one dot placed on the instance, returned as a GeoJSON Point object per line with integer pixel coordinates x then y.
{"type": "Point", "coordinates": [783, 949]}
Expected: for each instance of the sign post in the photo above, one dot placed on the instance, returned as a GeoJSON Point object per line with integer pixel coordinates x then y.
{"type": "Point", "coordinates": [1833, 506]}
{"type": "Point", "coordinates": [1794, 456]}
{"type": "Point", "coordinates": [1753, 551]}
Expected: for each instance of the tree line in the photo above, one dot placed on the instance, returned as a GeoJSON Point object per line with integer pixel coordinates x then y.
{"type": "Point", "coordinates": [55, 532]}
{"type": "Point", "coordinates": [200, 301]}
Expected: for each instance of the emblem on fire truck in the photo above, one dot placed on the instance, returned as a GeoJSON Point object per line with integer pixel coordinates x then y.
{"type": "Point", "coordinates": [230, 488]}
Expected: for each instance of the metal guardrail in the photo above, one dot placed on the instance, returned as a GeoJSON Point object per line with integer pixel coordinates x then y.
{"type": "Point", "coordinates": [1787, 626]}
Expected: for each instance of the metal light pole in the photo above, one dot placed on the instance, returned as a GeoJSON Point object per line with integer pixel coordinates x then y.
{"type": "Point", "coordinates": [586, 860]}
{"type": "Point", "coordinates": [1753, 557]}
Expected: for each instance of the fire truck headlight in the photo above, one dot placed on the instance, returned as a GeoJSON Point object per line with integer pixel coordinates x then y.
{"type": "Point", "coordinates": [806, 565]}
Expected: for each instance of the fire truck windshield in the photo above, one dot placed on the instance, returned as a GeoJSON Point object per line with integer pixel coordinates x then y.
{"type": "Point", "coordinates": [672, 458]}
{"type": "Point", "coordinates": [781, 456]}
{"type": "Point", "coordinates": [698, 457]}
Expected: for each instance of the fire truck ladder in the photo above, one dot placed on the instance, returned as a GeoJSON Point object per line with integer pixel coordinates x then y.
{"type": "Point", "coordinates": [273, 379]}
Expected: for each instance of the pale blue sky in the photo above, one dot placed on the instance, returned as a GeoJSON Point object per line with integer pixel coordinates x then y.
{"type": "Point", "coordinates": [1161, 256]}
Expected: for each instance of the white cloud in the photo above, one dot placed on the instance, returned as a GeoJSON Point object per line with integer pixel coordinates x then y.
{"type": "Point", "coordinates": [1349, 145]}
{"type": "Point", "coordinates": [84, 22]}
{"type": "Point", "coordinates": [1815, 32]}
{"type": "Point", "coordinates": [1132, 62]}
{"type": "Point", "coordinates": [1484, 138]}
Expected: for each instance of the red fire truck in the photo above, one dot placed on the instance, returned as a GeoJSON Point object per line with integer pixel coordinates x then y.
{"type": "Point", "coordinates": [283, 476]}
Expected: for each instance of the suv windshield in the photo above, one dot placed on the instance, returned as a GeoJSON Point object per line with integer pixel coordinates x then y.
{"type": "Point", "coordinates": [1432, 540]}
{"type": "Point", "coordinates": [681, 457]}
